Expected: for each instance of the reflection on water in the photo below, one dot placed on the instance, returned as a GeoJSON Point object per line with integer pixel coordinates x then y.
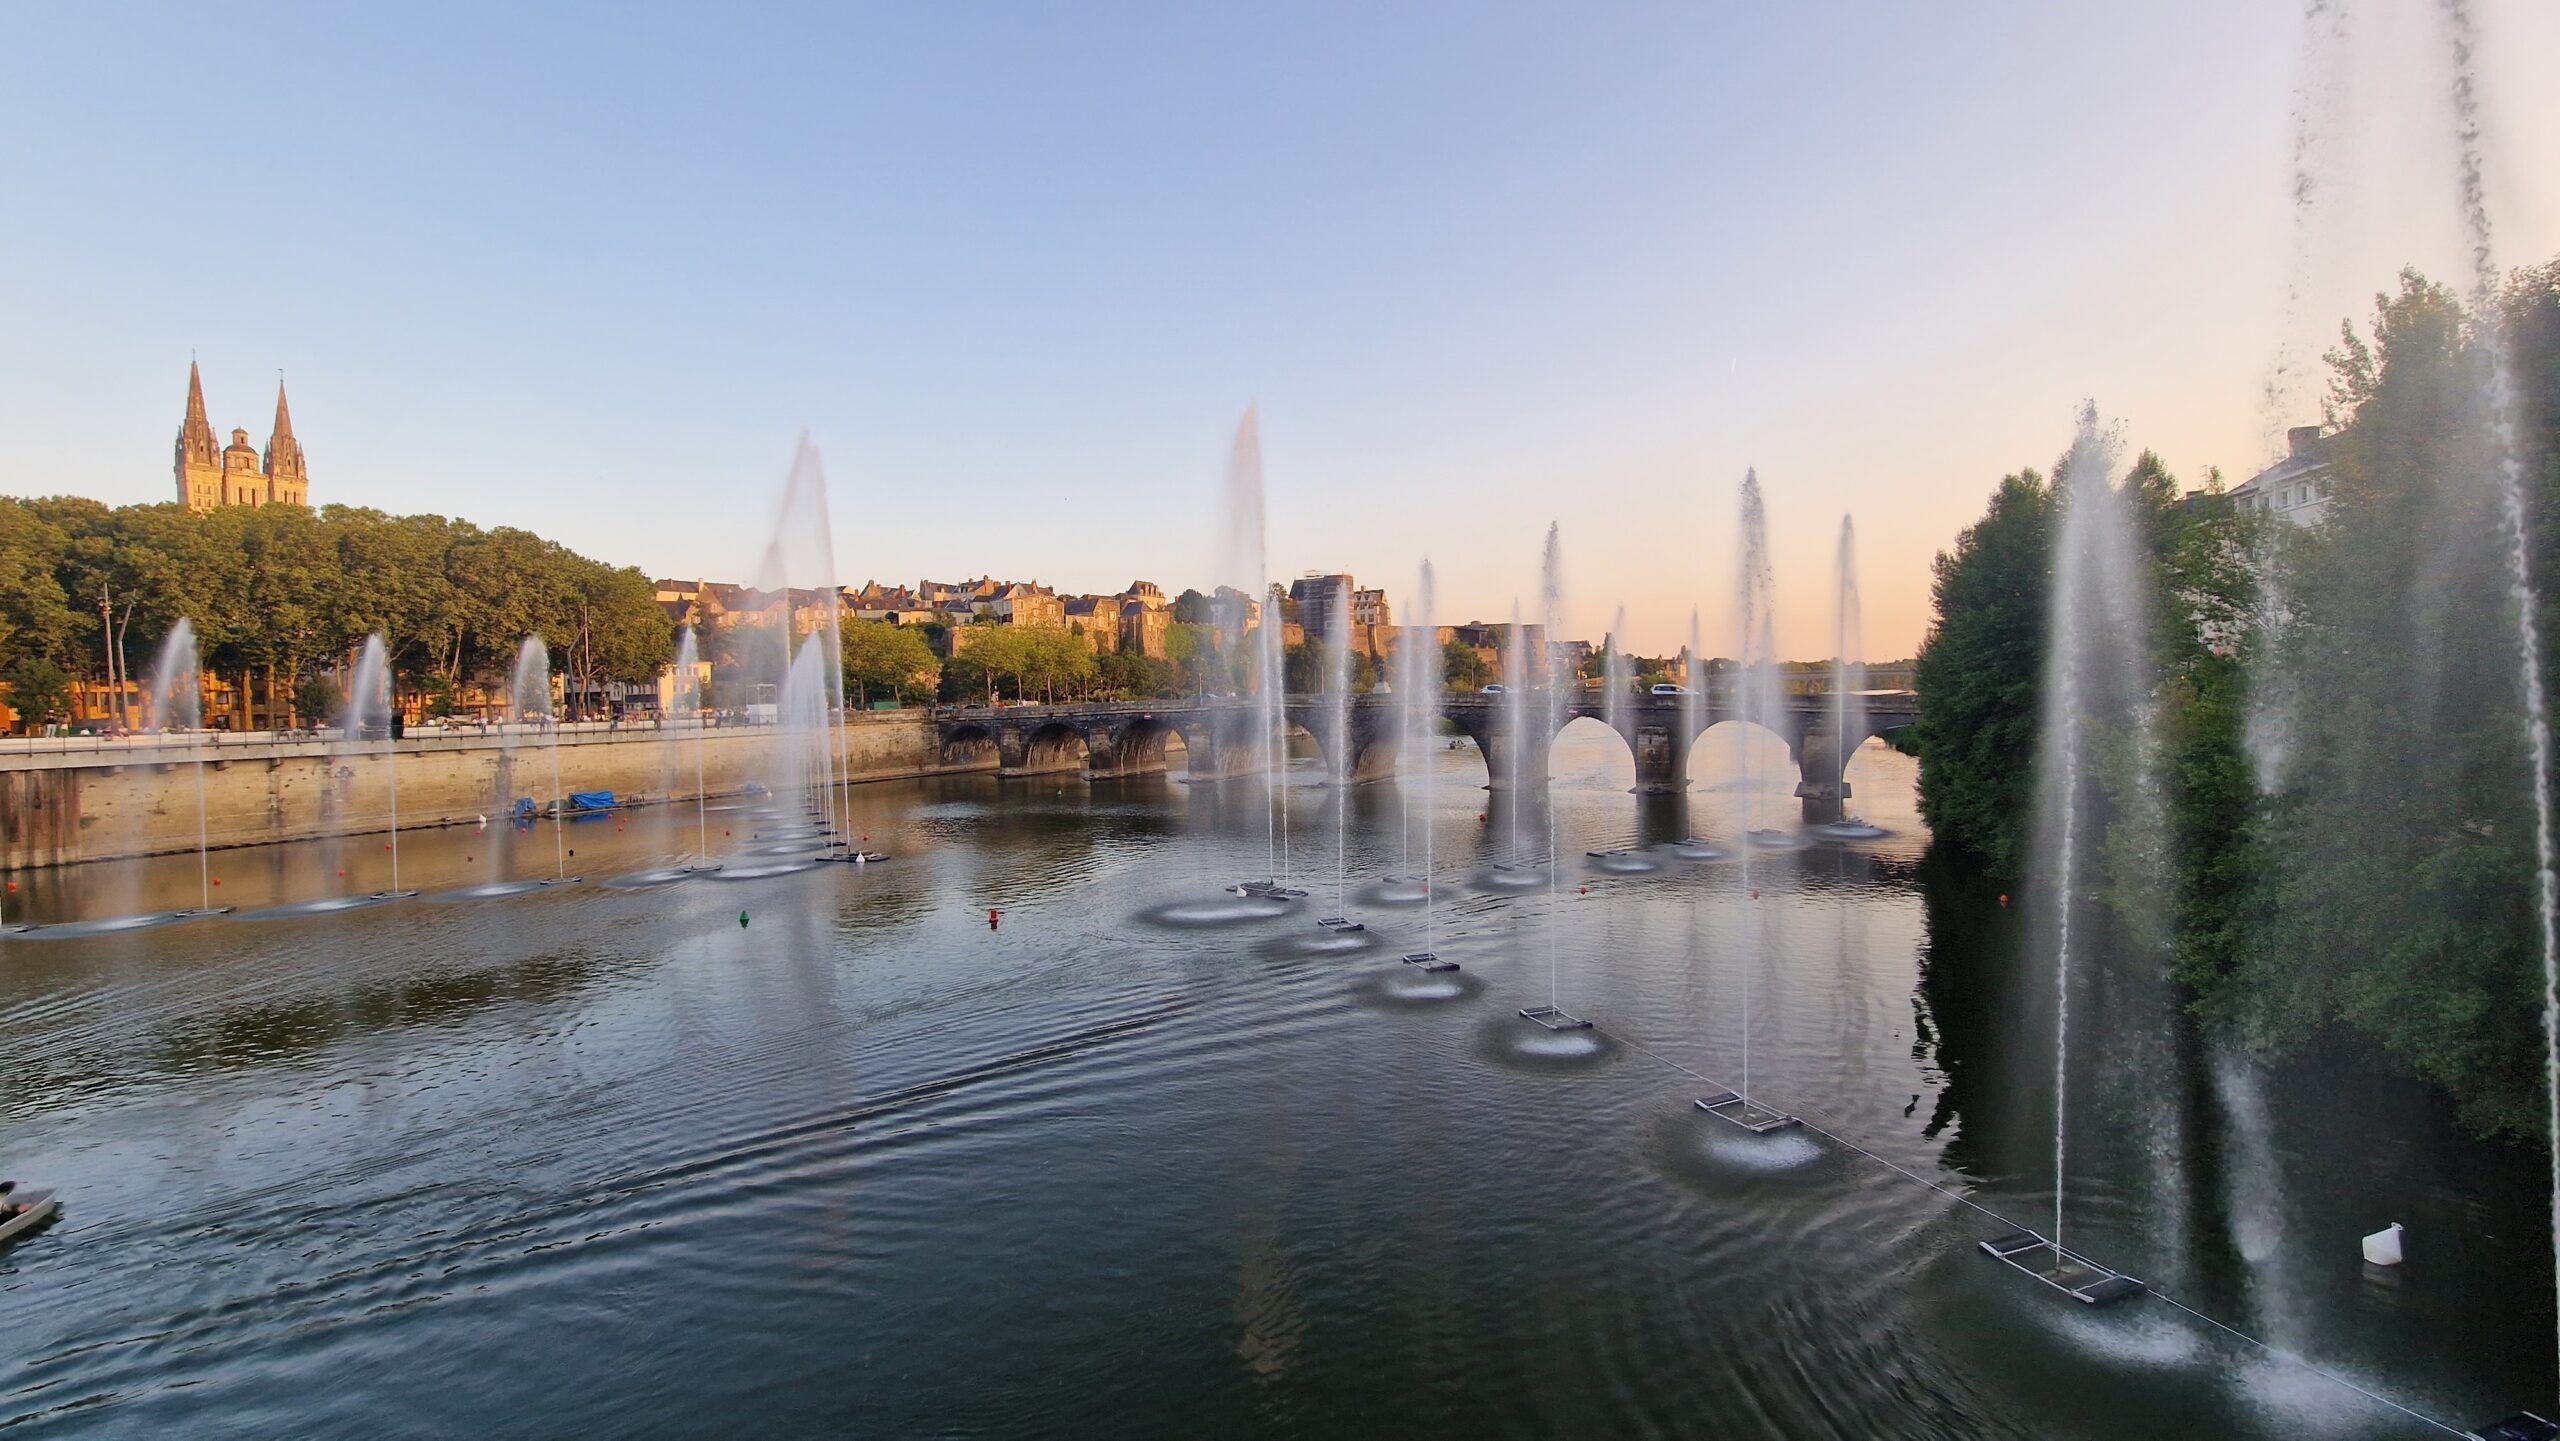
{"type": "Point", "coordinates": [1037, 1128]}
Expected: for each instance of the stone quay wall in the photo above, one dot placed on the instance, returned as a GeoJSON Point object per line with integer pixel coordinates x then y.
{"type": "Point", "coordinates": [138, 798]}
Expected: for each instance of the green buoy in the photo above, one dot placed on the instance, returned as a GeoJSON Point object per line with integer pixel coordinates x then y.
{"type": "Point", "coordinates": [742, 919]}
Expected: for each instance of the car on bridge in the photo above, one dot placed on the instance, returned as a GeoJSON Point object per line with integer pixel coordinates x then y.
{"type": "Point", "coordinates": [1667, 689]}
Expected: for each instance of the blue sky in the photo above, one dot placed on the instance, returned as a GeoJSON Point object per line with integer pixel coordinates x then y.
{"type": "Point", "coordinates": [1018, 269]}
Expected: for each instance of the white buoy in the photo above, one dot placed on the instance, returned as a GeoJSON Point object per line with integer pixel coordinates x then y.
{"type": "Point", "coordinates": [2382, 1248]}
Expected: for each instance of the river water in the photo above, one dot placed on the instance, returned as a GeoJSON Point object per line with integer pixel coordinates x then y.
{"type": "Point", "coordinates": [608, 1162]}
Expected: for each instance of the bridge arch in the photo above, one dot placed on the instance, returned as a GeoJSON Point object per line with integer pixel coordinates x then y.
{"type": "Point", "coordinates": [1588, 752]}
{"type": "Point", "coordinates": [1721, 751]}
{"type": "Point", "coordinates": [971, 746]}
{"type": "Point", "coordinates": [1053, 746]}
{"type": "Point", "coordinates": [1145, 745]}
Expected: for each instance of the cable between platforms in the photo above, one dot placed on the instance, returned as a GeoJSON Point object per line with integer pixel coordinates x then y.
{"type": "Point", "coordinates": [1968, 1202]}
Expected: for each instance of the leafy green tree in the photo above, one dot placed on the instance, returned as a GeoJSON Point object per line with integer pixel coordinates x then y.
{"type": "Point", "coordinates": [1462, 669]}
{"type": "Point", "coordinates": [885, 657]}
{"type": "Point", "coordinates": [39, 691]}
{"type": "Point", "coordinates": [2396, 893]}
{"type": "Point", "coordinates": [1979, 672]}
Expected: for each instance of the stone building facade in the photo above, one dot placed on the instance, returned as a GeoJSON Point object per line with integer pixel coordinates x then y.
{"type": "Point", "coordinates": [236, 474]}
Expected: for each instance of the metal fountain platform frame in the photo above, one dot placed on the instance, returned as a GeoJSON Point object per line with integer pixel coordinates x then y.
{"type": "Point", "coordinates": [1735, 1108]}
{"type": "Point", "coordinates": [2522, 1426]}
{"type": "Point", "coordinates": [1554, 1018]}
{"type": "Point", "coordinates": [2099, 1284]}
{"type": "Point", "coordinates": [1268, 888]}
{"type": "Point", "coordinates": [1340, 924]}
{"type": "Point", "coordinates": [384, 896]}
{"type": "Point", "coordinates": [1429, 961]}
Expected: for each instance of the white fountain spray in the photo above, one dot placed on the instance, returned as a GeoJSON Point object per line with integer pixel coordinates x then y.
{"type": "Point", "coordinates": [1693, 693]}
{"type": "Point", "coordinates": [2317, 171]}
{"type": "Point", "coordinates": [1755, 695]}
{"type": "Point", "coordinates": [532, 690]}
{"type": "Point", "coordinates": [1614, 672]}
{"type": "Point", "coordinates": [2488, 315]}
{"type": "Point", "coordinates": [369, 704]}
{"type": "Point", "coordinates": [1848, 664]}
{"type": "Point", "coordinates": [177, 704]}
{"type": "Point", "coordinates": [1246, 569]}
{"type": "Point", "coordinates": [1419, 649]}
{"type": "Point", "coordinates": [688, 704]}
{"type": "Point", "coordinates": [1515, 726]}
{"type": "Point", "coordinates": [1552, 678]}
{"type": "Point", "coordinates": [2095, 662]}
{"type": "Point", "coordinates": [1337, 685]}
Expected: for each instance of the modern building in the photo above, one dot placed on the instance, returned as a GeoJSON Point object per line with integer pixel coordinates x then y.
{"type": "Point", "coordinates": [2296, 487]}
{"type": "Point", "coordinates": [236, 474]}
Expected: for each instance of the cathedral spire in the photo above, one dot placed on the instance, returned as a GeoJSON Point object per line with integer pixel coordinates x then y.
{"type": "Point", "coordinates": [196, 428]}
{"type": "Point", "coordinates": [284, 453]}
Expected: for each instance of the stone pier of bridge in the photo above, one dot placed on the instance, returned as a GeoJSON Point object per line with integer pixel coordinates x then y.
{"type": "Point", "coordinates": [1224, 738]}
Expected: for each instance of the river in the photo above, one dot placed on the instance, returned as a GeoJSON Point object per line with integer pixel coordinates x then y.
{"type": "Point", "coordinates": [824, 1152]}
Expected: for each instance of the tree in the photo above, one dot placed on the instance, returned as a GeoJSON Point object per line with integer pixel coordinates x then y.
{"type": "Point", "coordinates": [1462, 669]}
{"type": "Point", "coordinates": [39, 691]}
{"type": "Point", "coordinates": [1193, 647]}
{"type": "Point", "coordinates": [2393, 893]}
{"type": "Point", "coordinates": [1979, 673]}
{"type": "Point", "coordinates": [895, 659]}
{"type": "Point", "coordinates": [1193, 608]}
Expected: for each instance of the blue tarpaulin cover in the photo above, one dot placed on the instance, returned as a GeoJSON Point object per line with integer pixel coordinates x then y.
{"type": "Point", "coordinates": [591, 800]}
{"type": "Point", "coordinates": [524, 807]}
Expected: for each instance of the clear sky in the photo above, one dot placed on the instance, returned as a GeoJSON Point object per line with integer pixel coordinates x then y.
{"type": "Point", "coordinates": [1019, 268]}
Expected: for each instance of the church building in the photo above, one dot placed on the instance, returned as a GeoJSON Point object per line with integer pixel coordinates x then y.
{"type": "Point", "coordinates": [237, 474]}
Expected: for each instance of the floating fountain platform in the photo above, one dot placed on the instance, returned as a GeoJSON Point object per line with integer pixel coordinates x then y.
{"type": "Point", "coordinates": [1741, 1110]}
{"type": "Point", "coordinates": [384, 896]}
{"type": "Point", "coordinates": [1340, 924]}
{"type": "Point", "coordinates": [2522, 1426]}
{"type": "Point", "coordinates": [1554, 1018]}
{"type": "Point", "coordinates": [1267, 890]}
{"type": "Point", "coordinates": [1773, 840]}
{"type": "Point", "coordinates": [851, 857]}
{"type": "Point", "coordinates": [1852, 829]}
{"type": "Point", "coordinates": [198, 912]}
{"type": "Point", "coordinates": [1430, 961]}
{"type": "Point", "coordinates": [1690, 848]}
{"type": "Point", "coordinates": [2071, 1273]}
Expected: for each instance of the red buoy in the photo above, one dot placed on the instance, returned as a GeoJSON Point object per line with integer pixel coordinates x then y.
{"type": "Point", "coordinates": [2004, 900]}
{"type": "Point", "coordinates": [993, 916]}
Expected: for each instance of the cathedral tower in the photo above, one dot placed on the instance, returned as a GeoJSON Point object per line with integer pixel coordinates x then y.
{"type": "Point", "coordinates": [199, 459]}
{"type": "Point", "coordinates": [211, 475]}
{"type": "Point", "coordinates": [287, 483]}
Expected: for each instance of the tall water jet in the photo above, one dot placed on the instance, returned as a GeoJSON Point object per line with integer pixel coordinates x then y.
{"type": "Point", "coordinates": [176, 701]}
{"type": "Point", "coordinates": [2094, 698]}
{"type": "Point", "coordinates": [1614, 672]}
{"type": "Point", "coordinates": [688, 716]}
{"type": "Point", "coordinates": [1420, 665]}
{"type": "Point", "coordinates": [2488, 313]}
{"type": "Point", "coordinates": [530, 687]}
{"type": "Point", "coordinates": [1337, 692]}
{"type": "Point", "coordinates": [369, 706]}
{"type": "Point", "coordinates": [1551, 681]}
{"type": "Point", "coordinates": [1251, 616]}
{"type": "Point", "coordinates": [1756, 706]}
{"type": "Point", "coordinates": [1693, 689]}
{"type": "Point", "coordinates": [2315, 172]}
{"type": "Point", "coordinates": [1848, 690]}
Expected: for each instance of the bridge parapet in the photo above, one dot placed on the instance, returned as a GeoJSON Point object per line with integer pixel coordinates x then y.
{"type": "Point", "coordinates": [1221, 734]}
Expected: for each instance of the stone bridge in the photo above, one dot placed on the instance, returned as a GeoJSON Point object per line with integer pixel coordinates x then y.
{"type": "Point", "coordinates": [1220, 736]}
